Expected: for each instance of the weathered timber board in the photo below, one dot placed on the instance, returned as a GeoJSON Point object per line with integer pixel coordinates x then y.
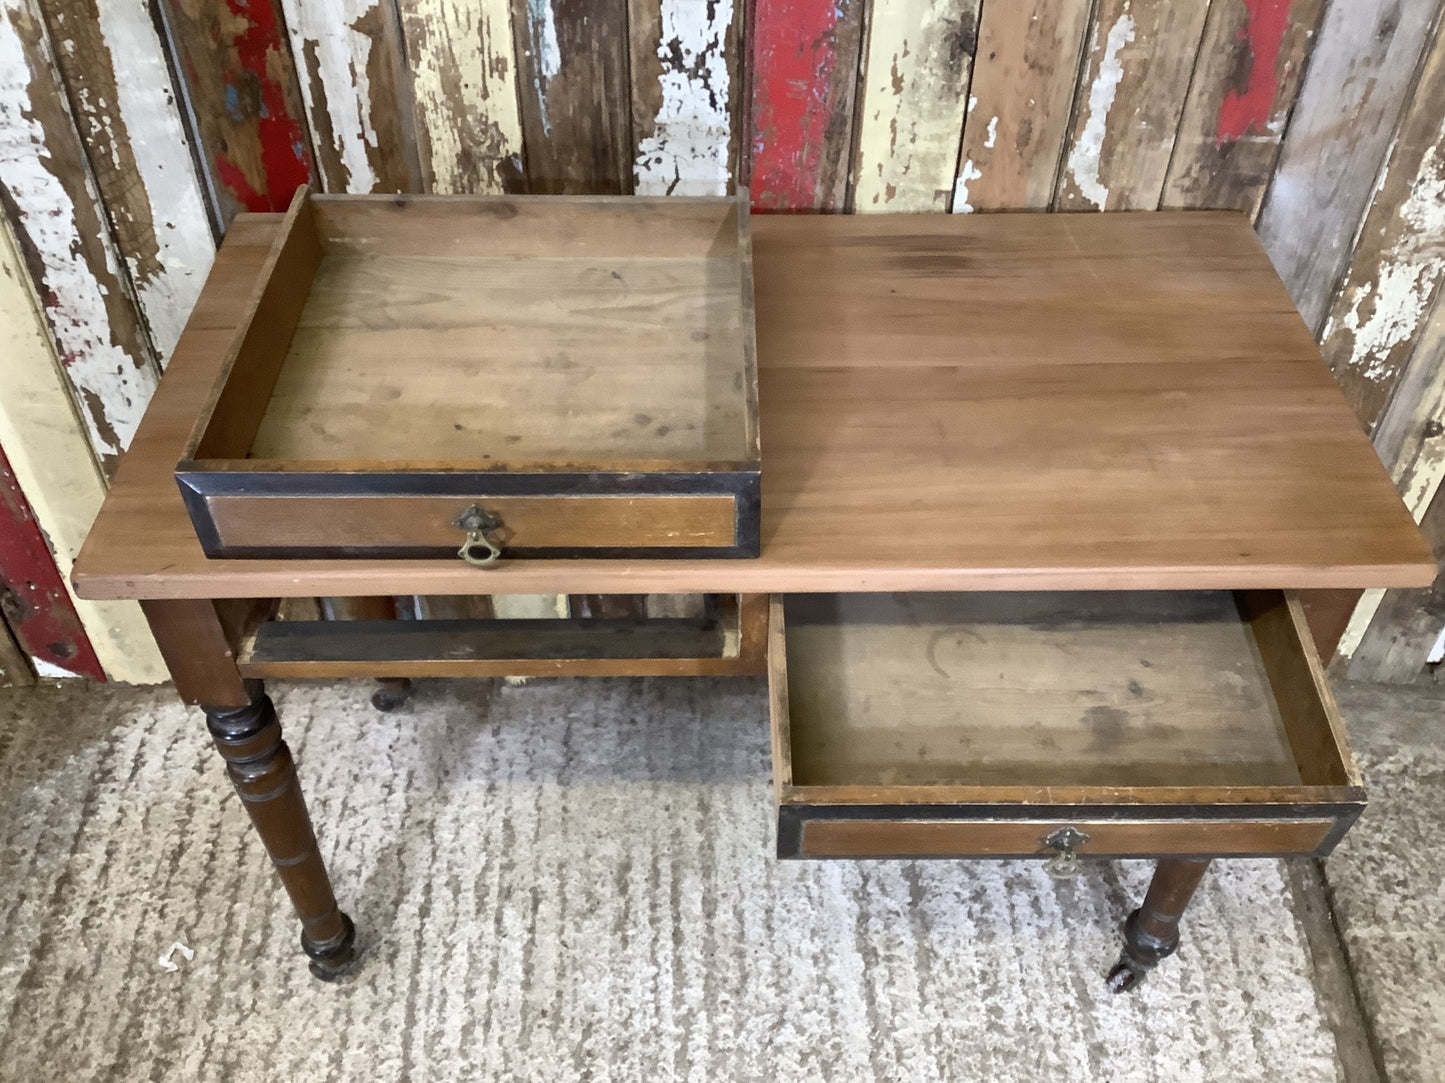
{"type": "Point", "coordinates": [804, 72]}
{"type": "Point", "coordinates": [1395, 272]}
{"type": "Point", "coordinates": [1128, 103]}
{"type": "Point", "coordinates": [352, 71]}
{"type": "Point", "coordinates": [1358, 78]}
{"type": "Point", "coordinates": [465, 82]}
{"type": "Point", "coordinates": [1250, 64]}
{"type": "Point", "coordinates": [65, 241]}
{"type": "Point", "coordinates": [241, 81]}
{"type": "Point", "coordinates": [914, 96]}
{"type": "Point", "coordinates": [1019, 104]}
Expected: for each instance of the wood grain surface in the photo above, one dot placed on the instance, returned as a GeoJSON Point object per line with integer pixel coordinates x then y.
{"type": "Point", "coordinates": [959, 402]}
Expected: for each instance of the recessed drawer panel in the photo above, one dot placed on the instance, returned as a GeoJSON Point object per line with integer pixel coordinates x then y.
{"type": "Point", "coordinates": [934, 725]}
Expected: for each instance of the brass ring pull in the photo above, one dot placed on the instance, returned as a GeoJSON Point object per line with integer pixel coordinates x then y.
{"type": "Point", "coordinates": [1065, 864]}
{"type": "Point", "coordinates": [479, 524]}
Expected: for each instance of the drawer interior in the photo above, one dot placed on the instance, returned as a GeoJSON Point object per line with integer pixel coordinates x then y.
{"type": "Point", "coordinates": [1099, 690]}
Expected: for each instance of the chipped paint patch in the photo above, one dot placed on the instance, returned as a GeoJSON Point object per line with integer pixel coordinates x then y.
{"type": "Point", "coordinates": [464, 83]}
{"type": "Point", "coordinates": [1085, 156]}
{"type": "Point", "coordinates": [542, 25]}
{"type": "Point", "coordinates": [333, 62]}
{"type": "Point", "coordinates": [992, 137]}
{"type": "Point", "coordinates": [687, 154]}
{"type": "Point", "coordinates": [969, 172]}
{"type": "Point", "coordinates": [1387, 312]}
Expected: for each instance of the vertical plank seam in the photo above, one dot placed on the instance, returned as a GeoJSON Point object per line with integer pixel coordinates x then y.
{"type": "Point", "coordinates": [855, 123]}
{"type": "Point", "coordinates": [1184, 104]}
{"type": "Point", "coordinates": [1303, 76]}
{"type": "Point", "coordinates": [1081, 68]}
{"type": "Point", "coordinates": [958, 161]}
{"type": "Point", "coordinates": [186, 108]}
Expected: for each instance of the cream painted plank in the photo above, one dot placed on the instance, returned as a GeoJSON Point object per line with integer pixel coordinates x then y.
{"type": "Point", "coordinates": [1359, 76]}
{"type": "Point", "coordinates": [1128, 104]}
{"type": "Point", "coordinates": [1398, 264]}
{"type": "Point", "coordinates": [464, 83]}
{"type": "Point", "coordinates": [353, 79]}
{"type": "Point", "coordinates": [685, 95]}
{"type": "Point", "coordinates": [53, 206]}
{"type": "Point", "coordinates": [916, 70]}
{"type": "Point", "coordinates": [50, 458]}
{"type": "Point", "coordinates": [1018, 109]}
{"type": "Point", "coordinates": [119, 88]}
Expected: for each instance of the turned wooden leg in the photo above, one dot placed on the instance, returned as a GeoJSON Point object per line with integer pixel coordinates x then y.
{"type": "Point", "coordinates": [261, 769]}
{"type": "Point", "coordinates": [196, 641]}
{"type": "Point", "coordinates": [1151, 933]}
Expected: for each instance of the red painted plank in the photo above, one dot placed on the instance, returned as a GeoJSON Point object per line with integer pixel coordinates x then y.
{"type": "Point", "coordinates": [32, 594]}
{"type": "Point", "coordinates": [804, 75]}
{"type": "Point", "coordinates": [1246, 110]}
{"type": "Point", "coordinates": [237, 63]}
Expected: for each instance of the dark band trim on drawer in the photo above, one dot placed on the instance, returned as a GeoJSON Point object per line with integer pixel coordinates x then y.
{"type": "Point", "coordinates": [920, 832]}
{"type": "Point", "coordinates": [552, 515]}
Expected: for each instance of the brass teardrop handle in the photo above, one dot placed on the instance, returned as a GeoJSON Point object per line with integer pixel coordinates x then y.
{"type": "Point", "coordinates": [479, 550]}
{"type": "Point", "coordinates": [1065, 863]}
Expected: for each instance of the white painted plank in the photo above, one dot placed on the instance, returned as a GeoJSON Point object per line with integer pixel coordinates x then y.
{"type": "Point", "coordinates": [51, 461]}
{"type": "Point", "coordinates": [170, 270]}
{"type": "Point", "coordinates": [54, 208]}
{"type": "Point", "coordinates": [688, 146]}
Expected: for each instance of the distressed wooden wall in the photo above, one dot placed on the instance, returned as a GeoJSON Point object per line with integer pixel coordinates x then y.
{"type": "Point", "coordinates": [132, 131]}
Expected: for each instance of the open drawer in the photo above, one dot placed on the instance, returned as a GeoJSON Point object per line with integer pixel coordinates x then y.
{"type": "Point", "coordinates": [1108, 724]}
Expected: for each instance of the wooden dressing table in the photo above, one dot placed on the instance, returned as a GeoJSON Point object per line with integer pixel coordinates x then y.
{"type": "Point", "coordinates": [1122, 415]}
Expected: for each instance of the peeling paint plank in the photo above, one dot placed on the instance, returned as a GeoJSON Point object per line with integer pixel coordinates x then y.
{"type": "Point", "coordinates": [349, 59]}
{"type": "Point", "coordinates": [1128, 104]}
{"type": "Point", "coordinates": [32, 594]}
{"type": "Point", "coordinates": [1359, 76]}
{"type": "Point", "coordinates": [685, 95]}
{"type": "Point", "coordinates": [1398, 264]}
{"type": "Point", "coordinates": [237, 65]}
{"type": "Point", "coordinates": [51, 203]}
{"type": "Point", "coordinates": [1250, 65]}
{"type": "Point", "coordinates": [138, 152]}
{"type": "Point", "coordinates": [1019, 102]}
{"type": "Point", "coordinates": [915, 91]}
{"type": "Point", "coordinates": [1410, 436]}
{"type": "Point", "coordinates": [804, 58]}
{"type": "Point", "coordinates": [464, 84]}
{"type": "Point", "coordinates": [51, 463]}
{"type": "Point", "coordinates": [574, 94]}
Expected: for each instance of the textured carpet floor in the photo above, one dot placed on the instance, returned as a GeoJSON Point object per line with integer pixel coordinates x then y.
{"type": "Point", "coordinates": [1385, 878]}
{"type": "Point", "coordinates": [573, 881]}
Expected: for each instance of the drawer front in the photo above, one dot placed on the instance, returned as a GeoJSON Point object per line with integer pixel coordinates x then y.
{"type": "Point", "coordinates": [403, 525]}
{"type": "Point", "coordinates": [801, 836]}
{"type": "Point", "coordinates": [950, 726]}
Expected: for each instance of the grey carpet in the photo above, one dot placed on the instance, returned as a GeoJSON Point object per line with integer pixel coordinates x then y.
{"type": "Point", "coordinates": [573, 880]}
{"type": "Point", "coordinates": [1385, 879]}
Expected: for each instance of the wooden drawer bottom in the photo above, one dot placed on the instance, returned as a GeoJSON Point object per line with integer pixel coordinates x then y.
{"type": "Point", "coordinates": [956, 725]}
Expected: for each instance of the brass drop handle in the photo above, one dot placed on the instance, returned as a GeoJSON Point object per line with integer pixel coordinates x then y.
{"type": "Point", "coordinates": [479, 524]}
{"type": "Point", "coordinates": [1065, 864]}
